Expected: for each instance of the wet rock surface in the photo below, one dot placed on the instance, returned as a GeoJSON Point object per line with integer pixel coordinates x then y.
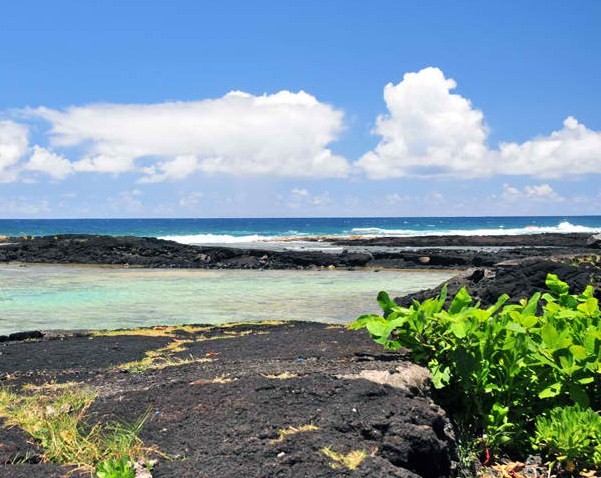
{"type": "Point", "coordinates": [223, 416]}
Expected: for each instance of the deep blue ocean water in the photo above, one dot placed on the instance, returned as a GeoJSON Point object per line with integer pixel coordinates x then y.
{"type": "Point", "coordinates": [248, 230]}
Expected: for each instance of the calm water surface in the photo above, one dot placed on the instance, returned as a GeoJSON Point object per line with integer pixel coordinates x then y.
{"type": "Point", "coordinates": [73, 297]}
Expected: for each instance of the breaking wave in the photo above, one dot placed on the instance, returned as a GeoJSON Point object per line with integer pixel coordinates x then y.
{"type": "Point", "coordinates": [215, 238]}
{"type": "Point", "coordinates": [563, 227]}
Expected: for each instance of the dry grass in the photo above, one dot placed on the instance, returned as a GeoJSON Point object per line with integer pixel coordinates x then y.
{"type": "Point", "coordinates": [280, 376]}
{"type": "Point", "coordinates": [220, 379]}
{"type": "Point", "coordinates": [172, 330]}
{"type": "Point", "coordinates": [162, 358]}
{"type": "Point", "coordinates": [50, 387]}
{"type": "Point", "coordinates": [350, 460]}
{"type": "Point", "coordinates": [56, 418]}
{"type": "Point", "coordinates": [286, 432]}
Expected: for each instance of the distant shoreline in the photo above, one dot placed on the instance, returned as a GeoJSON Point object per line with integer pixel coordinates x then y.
{"type": "Point", "coordinates": [423, 252]}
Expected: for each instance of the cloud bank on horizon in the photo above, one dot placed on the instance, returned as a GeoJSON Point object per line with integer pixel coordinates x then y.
{"type": "Point", "coordinates": [428, 131]}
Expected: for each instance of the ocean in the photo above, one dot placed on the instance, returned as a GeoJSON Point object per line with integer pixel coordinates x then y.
{"type": "Point", "coordinates": [74, 297]}
{"type": "Point", "coordinates": [245, 230]}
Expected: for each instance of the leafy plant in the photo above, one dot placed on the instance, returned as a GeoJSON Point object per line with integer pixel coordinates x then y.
{"type": "Point", "coordinates": [571, 435]}
{"type": "Point", "coordinates": [500, 367]}
{"type": "Point", "coordinates": [122, 468]}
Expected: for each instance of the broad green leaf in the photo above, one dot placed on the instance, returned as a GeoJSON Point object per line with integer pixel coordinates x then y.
{"type": "Point", "coordinates": [549, 335]}
{"type": "Point", "coordinates": [579, 352]}
{"type": "Point", "coordinates": [442, 297]}
{"type": "Point", "coordinates": [361, 321]}
{"type": "Point", "coordinates": [441, 376]}
{"type": "Point", "coordinates": [532, 305]}
{"type": "Point", "coordinates": [461, 300]}
{"type": "Point", "coordinates": [385, 302]}
{"type": "Point", "coordinates": [588, 292]}
{"type": "Point", "coordinates": [529, 321]}
{"type": "Point", "coordinates": [459, 329]}
{"type": "Point", "coordinates": [551, 391]}
{"type": "Point", "coordinates": [555, 285]}
{"type": "Point", "coordinates": [515, 327]}
{"type": "Point", "coordinates": [590, 307]}
{"type": "Point", "coordinates": [378, 328]}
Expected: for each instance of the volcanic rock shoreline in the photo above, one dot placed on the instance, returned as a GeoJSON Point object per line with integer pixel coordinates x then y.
{"type": "Point", "coordinates": [219, 408]}
{"type": "Point", "coordinates": [393, 252]}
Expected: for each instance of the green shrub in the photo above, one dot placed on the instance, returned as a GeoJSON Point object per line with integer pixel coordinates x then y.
{"type": "Point", "coordinates": [122, 468]}
{"type": "Point", "coordinates": [498, 368]}
{"type": "Point", "coordinates": [571, 435]}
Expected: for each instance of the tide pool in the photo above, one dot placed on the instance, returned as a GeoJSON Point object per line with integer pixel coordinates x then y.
{"type": "Point", "coordinates": [46, 297]}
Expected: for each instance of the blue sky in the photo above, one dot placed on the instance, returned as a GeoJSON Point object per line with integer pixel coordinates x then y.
{"type": "Point", "coordinates": [121, 108]}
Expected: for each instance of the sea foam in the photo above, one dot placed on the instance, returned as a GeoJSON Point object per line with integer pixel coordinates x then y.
{"type": "Point", "coordinates": [215, 238]}
{"type": "Point", "coordinates": [562, 227]}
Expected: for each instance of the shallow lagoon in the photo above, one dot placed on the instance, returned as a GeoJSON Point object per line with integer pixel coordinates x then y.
{"type": "Point", "coordinates": [48, 297]}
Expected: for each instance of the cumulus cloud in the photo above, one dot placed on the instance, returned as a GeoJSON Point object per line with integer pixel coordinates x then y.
{"type": "Point", "coordinates": [42, 160]}
{"type": "Point", "coordinates": [13, 147]}
{"type": "Point", "coordinates": [430, 131]}
{"type": "Point", "coordinates": [174, 170]}
{"type": "Point", "coordinates": [282, 134]}
{"type": "Point", "coordinates": [102, 163]}
{"type": "Point", "coordinates": [301, 198]}
{"type": "Point", "coordinates": [573, 150]}
{"type": "Point", "coordinates": [427, 131]}
{"type": "Point", "coordinates": [540, 192]}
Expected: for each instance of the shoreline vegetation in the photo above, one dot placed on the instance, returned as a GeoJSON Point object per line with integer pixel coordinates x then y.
{"type": "Point", "coordinates": [264, 399]}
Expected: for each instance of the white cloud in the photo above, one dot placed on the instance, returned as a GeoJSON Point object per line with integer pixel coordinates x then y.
{"type": "Point", "coordinates": [427, 131]}
{"type": "Point", "coordinates": [395, 198]}
{"type": "Point", "coordinates": [573, 150]}
{"type": "Point", "coordinates": [13, 146]}
{"type": "Point", "coordinates": [54, 165]}
{"type": "Point", "coordinates": [430, 131]}
{"type": "Point", "coordinates": [174, 170]}
{"type": "Point", "coordinates": [190, 200]}
{"type": "Point", "coordinates": [540, 192]}
{"type": "Point", "coordinates": [283, 134]}
{"type": "Point", "coordinates": [23, 207]}
{"type": "Point", "coordinates": [127, 201]}
{"type": "Point", "coordinates": [299, 192]}
{"type": "Point", "coordinates": [102, 163]}
{"type": "Point", "coordinates": [302, 198]}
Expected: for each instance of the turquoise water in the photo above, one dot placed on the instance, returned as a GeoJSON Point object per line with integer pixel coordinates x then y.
{"type": "Point", "coordinates": [76, 297]}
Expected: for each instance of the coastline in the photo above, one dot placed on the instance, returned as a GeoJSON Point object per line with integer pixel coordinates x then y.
{"type": "Point", "coordinates": [393, 252]}
{"type": "Point", "coordinates": [244, 383]}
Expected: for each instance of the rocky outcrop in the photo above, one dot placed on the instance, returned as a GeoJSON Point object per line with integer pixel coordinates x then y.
{"type": "Point", "coordinates": [152, 252]}
{"type": "Point", "coordinates": [223, 414]}
{"type": "Point", "coordinates": [518, 280]}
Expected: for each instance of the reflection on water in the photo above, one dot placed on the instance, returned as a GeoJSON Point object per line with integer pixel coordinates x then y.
{"type": "Point", "coordinates": [69, 297]}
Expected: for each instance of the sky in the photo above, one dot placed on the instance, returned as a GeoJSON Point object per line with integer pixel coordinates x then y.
{"type": "Point", "coordinates": [299, 108]}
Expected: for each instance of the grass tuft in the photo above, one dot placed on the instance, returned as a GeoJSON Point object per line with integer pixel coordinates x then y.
{"type": "Point", "coordinates": [56, 419]}
{"type": "Point", "coordinates": [286, 432]}
{"type": "Point", "coordinates": [162, 358]}
{"type": "Point", "coordinates": [351, 460]}
{"type": "Point", "coordinates": [173, 330]}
